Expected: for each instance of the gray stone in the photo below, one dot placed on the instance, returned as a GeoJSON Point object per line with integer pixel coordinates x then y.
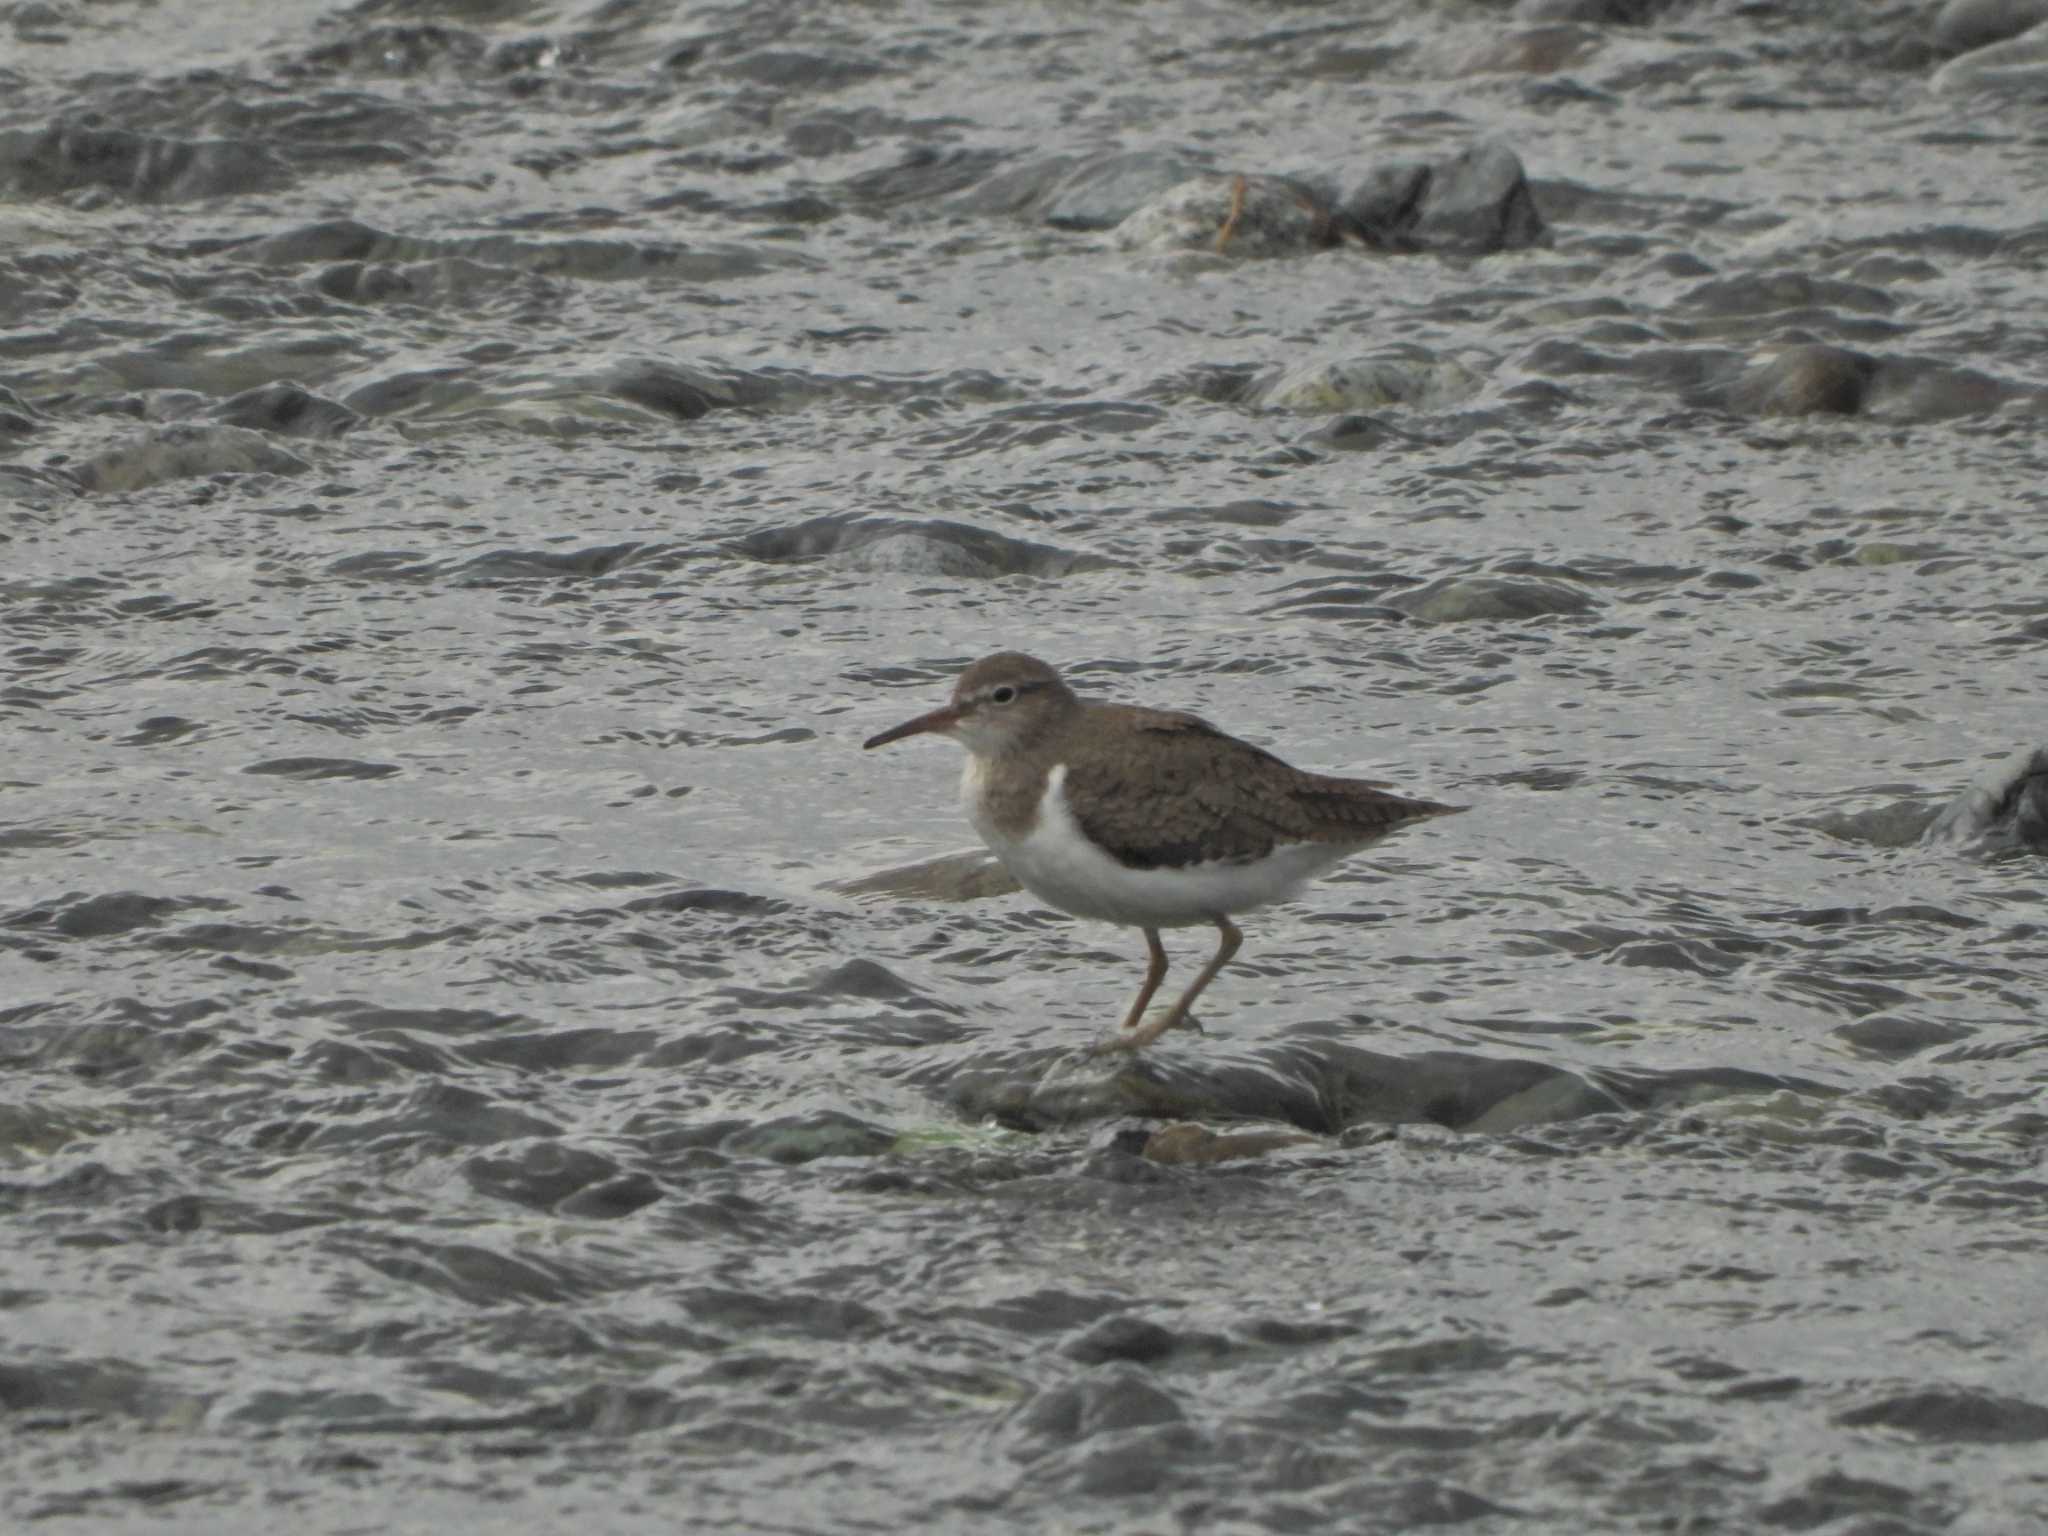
{"type": "Point", "coordinates": [2006, 808]}
{"type": "Point", "coordinates": [1967, 24]}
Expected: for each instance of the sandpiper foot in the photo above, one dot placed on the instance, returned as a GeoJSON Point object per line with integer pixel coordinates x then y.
{"type": "Point", "coordinates": [1134, 1040]}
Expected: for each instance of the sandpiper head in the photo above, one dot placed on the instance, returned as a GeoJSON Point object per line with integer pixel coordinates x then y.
{"type": "Point", "coordinates": [998, 701]}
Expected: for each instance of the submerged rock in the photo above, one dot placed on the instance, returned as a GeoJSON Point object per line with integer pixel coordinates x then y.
{"type": "Point", "coordinates": [2006, 808]}
{"type": "Point", "coordinates": [1100, 194]}
{"type": "Point", "coordinates": [901, 546]}
{"type": "Point", "coordinates": [69, 157]}
{"type": "Point", "coordinates": [1191, 1144]}
{"type": "Point", "coordinates": [17, 416]}
{"type": "Point", "coordinates": [1457, 599]}
{"type": "Point", "coordinates": [1610, 13]}
{"type": "Point", "coordinates": [1967, 24]}
{"type": "Point", "coordinates": [1235, 216]}
{"type": "Point", "coordinates": [2017, 64]}
{"type": "Point", "coordinates": [685, 391]}
{"type": "Point", "coordinates": [966, 876]}
{"type": "Point", "coordinates": [1539, 50]}
{"type": "Point", "coordinates": [288, 408]}
{"type": "Point", "coordinates": [1085, 191]}
{"type": "Point", "coordinates": [1818, 379]}
{"type": "Point", "coordinates": [1369, 383]}
{"type": "Point", "coordinates": [1473, 202]}
{"type": "Point", "coordinates": [31, 486]}
{"type": "Point", "coordinates": [1359, 432]}
{"type": "Point", "coordinates": [1804, 381]}
{"type": "Point", "coordinates": [184, 450]}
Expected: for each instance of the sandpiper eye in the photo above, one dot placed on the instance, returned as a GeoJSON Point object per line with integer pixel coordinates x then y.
{"type": "Point", "coordinates": [1003, 695]}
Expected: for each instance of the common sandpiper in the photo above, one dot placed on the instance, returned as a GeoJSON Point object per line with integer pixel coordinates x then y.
{"type": "Point", "coordinates": [1145, 817]}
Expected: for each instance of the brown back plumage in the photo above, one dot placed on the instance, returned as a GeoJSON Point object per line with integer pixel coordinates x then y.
{"type": "Point", "coordinates": [1156, 788]}
{"type": "Point", "coordinates": [1160, 789]}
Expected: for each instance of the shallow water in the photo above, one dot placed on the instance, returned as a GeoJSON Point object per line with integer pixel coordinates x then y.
{"type": "Point", "coordinates": [472, 476]}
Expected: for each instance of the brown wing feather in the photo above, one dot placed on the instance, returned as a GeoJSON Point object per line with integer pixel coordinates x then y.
{"type": "Point", "coordinates": [1212, 796]}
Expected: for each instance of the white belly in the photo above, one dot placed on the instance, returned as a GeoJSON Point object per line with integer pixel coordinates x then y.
{"type": "Point", "coordinates": [1059, 866]}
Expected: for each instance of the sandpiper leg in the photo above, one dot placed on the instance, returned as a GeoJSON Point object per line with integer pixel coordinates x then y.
{"type": "Point", "coordinates": [1155, 973]}
{"type": "Point", "coordinates": [1145, 1034]}
{"type": "Point", "coordinates": [1238, 188]}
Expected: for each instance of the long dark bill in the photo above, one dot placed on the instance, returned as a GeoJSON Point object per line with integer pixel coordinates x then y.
{"type": "Point", "coordinates": [938, 720]}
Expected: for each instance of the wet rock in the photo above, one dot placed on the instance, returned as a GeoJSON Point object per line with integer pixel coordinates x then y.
{"type": "Point", "coordinates": [179, 1213]}
{"type": "Point", "coordinates": [923, 175]}
{"type": "Point", "coordinates": [612, 1199]}
{"type": "Point", "coordinates": [1964, 25]}
{"type": "Point", "coordinates": [822, 136]}
{"type": "Point", "coordinates": [2005, 809]}
{"type": "Point", "coordinates": [1456, 599]}
{"type": "Point", "coordinates": [539, 1174]}
{"type": "Point", "coordinates": [795, 1139]}
{"type": "Point", "coordinates": [1359, 433]}
{"type": "Point", "coordinates": [516, 564]}
{"type": "Point", "coordinates": [705, 898]}
{"type": "Point", "coordinates": [1356, 61]}
{"type": "Point", "coordinates": [1240, 217]}
{"type": "Point", "coordinates": [1818, 379]}
{"type": "Point", "coordinates": [99, 917]}
{"type": "Point", "coordinates": [683, 391]}
{"type": "Point", "coordinates": [966, 876]}
{"type": "Point", "coordinates": [398, 49]}
{"type": "Point", "coordinates": [1533, 51]}
{"type": "Point", "coordinates": [288, 408]}
{"type": "Point", "coordinates": [1137, 1463]}
{"type": "Point", "coordinates": [2018, 65]}
{"type": "Point", "coordinates": [310, 769]}
{"type": "Point", "coordinates": [328, 240]}
{"type": "Point", "coordinates": [1751, 294]}
{"type": "Point", "coordinates": [914, 547]}
{"type": "Point", "coordinates": [1955, 1416]}
{"type": "Point", "coordinates": [862, 979]}
{"type": "Point", "coordinates": [1920, 389]}
{"type": "Point", "coordinates": [1120, 1337]}
{"type": "Point", "coordinates": [68, 158]}
{"type": "Point", "coordinates": [1369, 383]}
{"type": "Point", "coordinates": [160, 405]}
{"type": "Point", "coordinates": [1424, 1503]}
{"type": "Point", "coordinates": [1197, 1145]}
{"type": "Point", "coordinates": [1609, 13]}
{"type": "Point", "coordinates": [1114, 1397]}
{"type": "Point", "coordinates": [461, 1115]}
{"type": "Point", "coordinates": [1330, 1088]}
{"type": "Point", "coordinates": [35, 487]}
{"type": "Point", "coordinates": [1836, 1496]}
{"type": "Point", "coordinates": [159, 730]}
{"type": "Point", "coordinates": [1475, 202]}
{"type": "Point", "coordinates": [1547, 1101]}
{"type": "Point", "coordinates": [1115, 1140]}
{"type": "Point", "coordinates": [1102, 193]}
{"type": "Point", "coordinates": [798, 208]}
{"type": "Point", "coordinates": [1896, 1038]}
{"type": "Point", "coordinates": [804, 69]}
{"type": "Point", "coordinates": [911, 553]}
{"type": "Point", "coordinates": [1810, 380]}
{"type": "Point", "coordinates": [1084, 191]}
{"type": "Point", "coordinates": [184, 450]}
{"type": "Point", "coordinates": [113, 1389]}
{"type": "Point", "coordinates": [528, 58]}
{"type": "Point", "coordinates": [17, 416]}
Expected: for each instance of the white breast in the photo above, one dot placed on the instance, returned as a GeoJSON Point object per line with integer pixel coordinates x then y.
{"type": "Point", "coordinates": [1060, 866]}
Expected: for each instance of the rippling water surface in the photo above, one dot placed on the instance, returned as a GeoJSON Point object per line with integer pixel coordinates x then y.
{"type": "Point", "coordinates": [484, 1048]}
